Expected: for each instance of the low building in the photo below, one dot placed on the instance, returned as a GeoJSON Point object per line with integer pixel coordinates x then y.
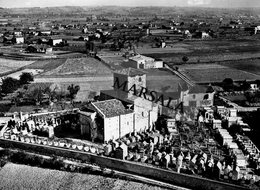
{"type": "Point", "coordinates": [111, 121]}
{"type": "Point", "coordinates": [55, 41]}
{"type": "Point", "coordinates": [143, 62]}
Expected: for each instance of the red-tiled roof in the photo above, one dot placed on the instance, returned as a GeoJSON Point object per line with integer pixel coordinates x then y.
{"type": "Point", "coordinates": [111, 108]}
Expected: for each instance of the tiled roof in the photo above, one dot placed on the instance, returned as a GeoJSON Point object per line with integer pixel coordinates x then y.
{"type": "Point", "coordinates": [130, 71]}
{"type": "Point", "coordinates": [111, 108]}
{"type": "Point", "coordinates": [199, 89]}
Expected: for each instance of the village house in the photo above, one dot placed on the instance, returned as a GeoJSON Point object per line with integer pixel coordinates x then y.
{"type": "Point", "coordinates": [45, 33]}
{"type": "Point", "coordinates": [199, 96]}
{"type": "Point", "coordinates": [17, 33]}
{"type": "Point", "coordinates": [18, 40]}
{"type": "Point", "coordinates": [55, 41]}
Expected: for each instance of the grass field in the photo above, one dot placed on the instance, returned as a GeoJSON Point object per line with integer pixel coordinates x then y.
{"type": "Point", "coordinates": [13, 176]}
{"type": "Point", "coordinates": [208, 73]}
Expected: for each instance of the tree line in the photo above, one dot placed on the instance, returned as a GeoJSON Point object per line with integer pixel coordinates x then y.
{"type": "Point", "coordinates": [37, 95]}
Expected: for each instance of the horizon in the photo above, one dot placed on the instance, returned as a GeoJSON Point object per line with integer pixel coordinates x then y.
{"type": "Point", "coordinates": [132, 3]}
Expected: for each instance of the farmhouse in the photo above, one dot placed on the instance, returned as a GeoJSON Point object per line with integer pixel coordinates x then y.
{"type": "Point", "coordinates": [143, 62]}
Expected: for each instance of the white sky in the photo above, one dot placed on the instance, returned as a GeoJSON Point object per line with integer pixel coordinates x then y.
{"type": "Point", "coordinates": [207, 3]}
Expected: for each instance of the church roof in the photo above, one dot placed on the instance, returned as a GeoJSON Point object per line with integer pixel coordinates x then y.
{"type": "Point", "coordinates": [111, 108]}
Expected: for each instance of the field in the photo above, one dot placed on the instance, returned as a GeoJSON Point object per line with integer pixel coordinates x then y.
{"type": "Point", "coordinates": [13, 176]}
{"type": "Point", "coordinates": [162, 81]}
{"type": "Point", "coordinates": [251, 65]}
{"type": "Point", "coordinates": [46, 65]}
{"type": "Point", "coordinates": [206, 51]}
{"type": "Point", "coordinates": [7, 65]}
{"type": "Point", "coordinates": [80, 66]}
{"type": "Point", "coordinates": [208, 73]}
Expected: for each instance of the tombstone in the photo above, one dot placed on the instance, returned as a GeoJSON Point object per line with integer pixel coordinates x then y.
{"type": "Point", "coordinates": [136, 157]}
{"type": "Point", "coordinates": [107, 149]}
{"type": "Point", "coordinates": [154, 138]}
{"type": "Point", "coordinates": [121, 151]}
{"type": "Point", "coordinates": [151, 147]}
{"type": "Point", "coordinates": [115, 144]}
{"type": "Point", "coordinates": [124, 148]}
{"type": "Point", "coordinates": [92, 149]}
{"type": "Point", "coordinates": [132, 139]}
{"type": "Point", "coordinates": [188, 157]}
{"type": "Point", "coordinates": [172, 158]}
{"type": "Point", "coordinates": [128, 142]}
{"type": "Point", "coordinates": [144, 158]}
{"type": "Point", "coordinates": [179, 162]}
{"type": "Point", "coordinates": [235, 174]}
{"type": "Point", "coordinates": [51, 131]}
{"type": "Point", "coordinates": [137, 137]}
{"type": "Point", "coordinates": [141, 152]}
{"type": "Point", "coordinates": [129, 156]}
{"type": "Point", "coordinates": [165, 160]}
{"type": "Point", "coordinates": [158, 157]}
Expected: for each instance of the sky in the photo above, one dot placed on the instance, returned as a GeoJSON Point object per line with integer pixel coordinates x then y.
{"type": "Point", "coordinates": [202, 3]}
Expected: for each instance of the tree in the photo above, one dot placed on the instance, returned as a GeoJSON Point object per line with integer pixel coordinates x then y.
{"type": "Point", "coordinates": [9, 85]}
{"type": "Point", "coordinates": [245, 86]}
{"type": "Point", "coordinates": [26, 78]}
{"type": "Point", "coordinates": [185, 59]}
{"type": "Point", "coordinates": [37, 95]}
{"type": "Point", "coordinates": [228, 84]}
{"type": "Point", "coordinates": [73, 90]}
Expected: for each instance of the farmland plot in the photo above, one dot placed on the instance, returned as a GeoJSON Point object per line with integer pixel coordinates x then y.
{"type": "Point", "coordinates": [208, 73]}
{"type": "Point", "coordinates": [7, 65]}
{"type": "Point", "coordinates": [13, 176]}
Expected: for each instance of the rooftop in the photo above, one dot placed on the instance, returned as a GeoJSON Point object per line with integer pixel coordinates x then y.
{"type": "Point", "coordinates": [130, 71]}
{"type": "Point", "coordinates": [201, 89]}
{"type": "Point", "coordinates": [140, 58]}
{"type": "Point", "coordinates": [111, 108]}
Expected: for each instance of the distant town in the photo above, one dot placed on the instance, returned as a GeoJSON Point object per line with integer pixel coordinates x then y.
{"type": "Point", "coordinates": [166, 93]}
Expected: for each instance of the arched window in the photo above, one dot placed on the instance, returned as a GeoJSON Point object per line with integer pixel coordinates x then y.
{"type": "Point", "coordinates": [206, 97]}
